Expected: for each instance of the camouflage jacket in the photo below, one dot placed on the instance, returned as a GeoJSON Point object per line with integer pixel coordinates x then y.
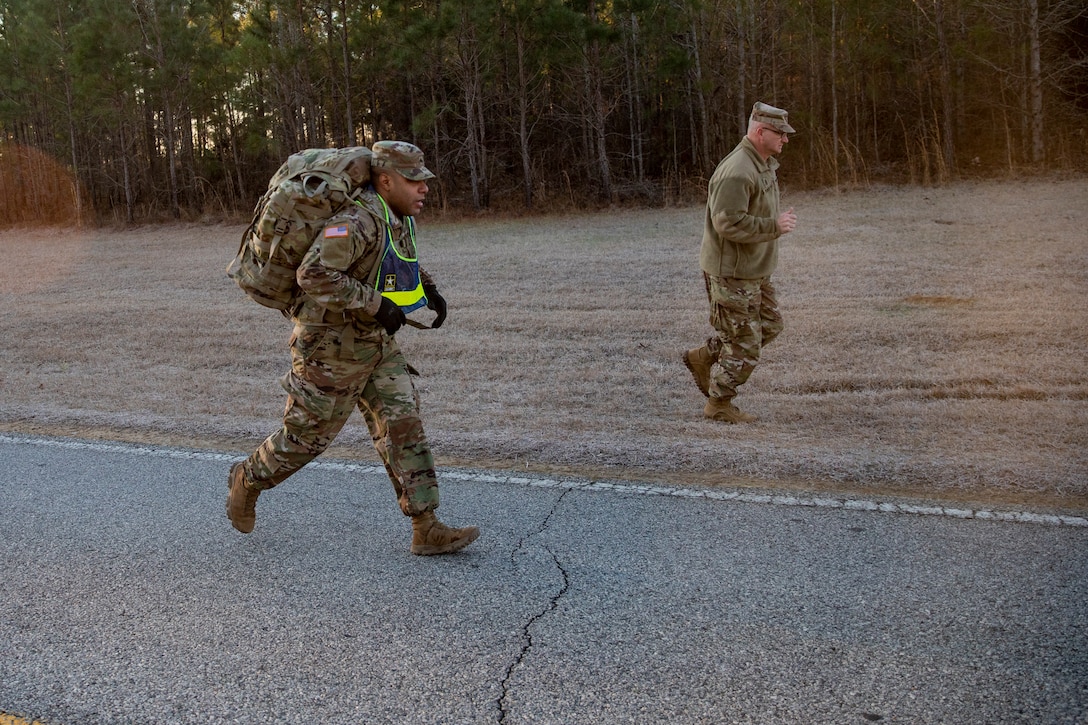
{"type": "Point", "coordinates": [338, 272]}
{"type": "Point", "coordinates": [741, 228]}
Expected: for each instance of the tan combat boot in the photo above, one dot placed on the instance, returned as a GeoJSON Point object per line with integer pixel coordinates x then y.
{"type": "Point", "coordinates": [723, 409]}
{"type": "Point", "coordinates": [241, 500]}
{"type": "Point", "coordinates": [699, 361]}
{"type": "Point", "coordinates": [430, 536]}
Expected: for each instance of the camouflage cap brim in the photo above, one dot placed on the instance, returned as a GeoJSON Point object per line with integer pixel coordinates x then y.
{"type": "Point", "coordinates": [420, 173]}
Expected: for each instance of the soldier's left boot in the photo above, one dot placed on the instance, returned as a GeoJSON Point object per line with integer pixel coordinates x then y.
{"type": "Point", "coordinates": [241, 500]}
{"type": "Point", "coordinates": [722, 409]}
{"type": "Point", "coordinates": [430, 536]}
{"type": "Point", "coordinates": [699, 361]}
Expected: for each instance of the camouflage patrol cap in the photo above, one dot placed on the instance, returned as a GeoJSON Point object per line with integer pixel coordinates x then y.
{"type": "Point", "coordinates": [400, 156]}
{"type": "Point", "coordinates": [776, 118]}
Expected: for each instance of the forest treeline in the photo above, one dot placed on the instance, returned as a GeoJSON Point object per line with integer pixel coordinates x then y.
{"type": "Point", "coordinates": [115, 111]}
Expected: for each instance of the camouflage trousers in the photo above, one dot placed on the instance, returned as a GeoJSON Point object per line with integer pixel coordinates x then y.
{"type": "Point", "coordinates": [744, 312]}
{"type": "Point", "coordinates": [332, 374]}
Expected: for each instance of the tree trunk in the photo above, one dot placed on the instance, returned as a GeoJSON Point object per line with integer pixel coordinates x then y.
{"type": "Point", "coordinates": [350, 137]}
{"type": "Point", "coordinates": [152, 35]}
{"type": "Point", "coordinates": [634, 101]}
{"type": "Point", "coordinates": [1035, 84]}
{"type": "Point", "coordinates": [834, 95]}
{"type": "Point", "coordinates": [471, 89]}
{"type": "Point", "coordinates": [126, 176]}
{"type": "Point", "coordinates": [947, 106]}
{"type": "Point", "coordinates": [523, 117]}
{"type": "Point", "coordinates": [704, 116]}
{"type": "Point", "coordinates": [598, 115]}
{"type": "Point", "coordinates": [742, 69]}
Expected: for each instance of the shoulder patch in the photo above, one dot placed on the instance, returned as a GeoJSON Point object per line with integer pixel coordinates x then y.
{"type": "Point", "coordinates": [337, 232]}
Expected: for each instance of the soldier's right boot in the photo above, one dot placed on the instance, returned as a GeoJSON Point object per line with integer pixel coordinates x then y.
{"type": "Point", "coordinates": [699, 361]}
{"type": "Point", "coordinates": [722, 409]}
{"type": "Point", "coordinates": [430, 536]}
{"type": "Point", "coordinates": [241, 500]}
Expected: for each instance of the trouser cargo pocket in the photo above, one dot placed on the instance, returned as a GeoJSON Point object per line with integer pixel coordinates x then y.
{"type": "Point", "coordinates": [316, 402]}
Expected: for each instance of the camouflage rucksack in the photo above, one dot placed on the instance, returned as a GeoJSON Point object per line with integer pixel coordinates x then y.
{"type": "Point", "coordinates": [308, 188]}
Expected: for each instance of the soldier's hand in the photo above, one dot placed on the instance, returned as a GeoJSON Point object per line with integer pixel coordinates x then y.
{"type": "Point", "coordinates": [437, 303]}
{"type": "Point", "coordinates": [787, 221]}
{"type": "Point", "coordinates": [390, 316]}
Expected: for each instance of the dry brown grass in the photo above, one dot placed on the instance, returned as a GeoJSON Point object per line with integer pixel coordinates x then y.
{"type": "Point", "coordinates": [935, 345]}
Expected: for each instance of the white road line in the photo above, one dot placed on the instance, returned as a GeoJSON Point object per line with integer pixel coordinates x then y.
{"type": "Point", "coordinates": [637, 489]}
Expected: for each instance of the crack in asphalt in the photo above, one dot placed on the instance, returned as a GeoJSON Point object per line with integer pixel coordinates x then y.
{"type": "Point", "coordinates": [526, 630]}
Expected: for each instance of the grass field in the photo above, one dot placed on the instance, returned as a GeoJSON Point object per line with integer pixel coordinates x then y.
{"type": "Point", "coordinates": [935, 345]}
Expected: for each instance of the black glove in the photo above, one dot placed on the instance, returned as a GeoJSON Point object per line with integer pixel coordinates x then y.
{"type": "Point", "coordinates": [437, 303]}
{"type": "Point", "coordinates": [390, 316]}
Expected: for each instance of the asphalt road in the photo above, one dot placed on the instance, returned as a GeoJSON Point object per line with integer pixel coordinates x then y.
{"type": "Point", "coordinates": [126, 597]}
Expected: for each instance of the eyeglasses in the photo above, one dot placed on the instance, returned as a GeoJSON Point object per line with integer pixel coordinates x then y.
{"type": "Point", "coordinates": [775, 130]}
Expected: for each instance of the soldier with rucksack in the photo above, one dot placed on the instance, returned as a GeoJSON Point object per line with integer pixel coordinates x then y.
{"type": "Point", "coordinates": [354, 280]}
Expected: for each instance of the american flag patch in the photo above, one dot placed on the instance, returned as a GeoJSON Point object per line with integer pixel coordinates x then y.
{"type": "Point", "coordinates": [336, 232]}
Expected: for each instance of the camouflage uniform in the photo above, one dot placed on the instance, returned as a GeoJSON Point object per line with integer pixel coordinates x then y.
{"type": "Point", "coordinates": [744, 312]}
{"type": "Point", "coordinates": [342, 359]}
{"type": "Point", "coordinates": [739, 253]}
